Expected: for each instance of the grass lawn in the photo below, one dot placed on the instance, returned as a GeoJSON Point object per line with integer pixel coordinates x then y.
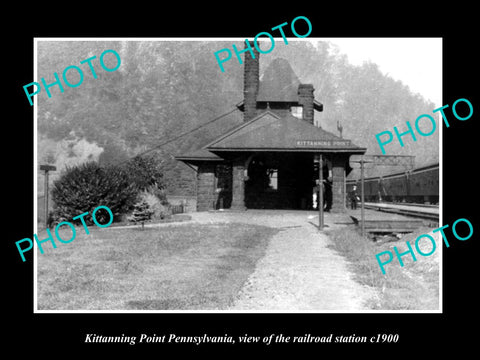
{"type": "Point", "coordinates": [183, 267]}
{"type": "Point", "coordinates": [412, 287]}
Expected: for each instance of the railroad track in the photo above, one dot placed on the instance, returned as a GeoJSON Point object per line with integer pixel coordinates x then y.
{"type": "Point", "coordinates": [429, 212]}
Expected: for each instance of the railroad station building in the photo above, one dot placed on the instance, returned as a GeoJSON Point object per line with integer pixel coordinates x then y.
{"type": "Point", "coordinates": [271, 160]}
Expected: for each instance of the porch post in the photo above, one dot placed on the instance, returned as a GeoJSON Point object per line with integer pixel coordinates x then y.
{"type": "Point", "coordinates": [205, 187]}
{"type": "Point", "coordinates": [320, 193]}
{"type": "Point", "coordinates": [238, 184]}
{"type": "Point", "coordinates": [338, 187]}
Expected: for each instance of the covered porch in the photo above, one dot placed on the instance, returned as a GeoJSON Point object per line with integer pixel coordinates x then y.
{"type": "Point", "coordinates": [272, 163]}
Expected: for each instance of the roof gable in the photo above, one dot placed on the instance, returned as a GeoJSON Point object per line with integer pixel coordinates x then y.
{"type": "Point", "coordinates": [270, 132]}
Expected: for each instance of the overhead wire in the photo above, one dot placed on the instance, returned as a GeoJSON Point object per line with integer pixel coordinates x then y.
{"type": "Point", "coordinates": [179, 136]}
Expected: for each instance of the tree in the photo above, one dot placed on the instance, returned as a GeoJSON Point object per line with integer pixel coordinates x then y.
{"type": "Point", "coordinates": [165, 88]}
{"type": "Point", "coordinates": [144, 172]}
{"type": "Point", "coordinates": [141, 213]}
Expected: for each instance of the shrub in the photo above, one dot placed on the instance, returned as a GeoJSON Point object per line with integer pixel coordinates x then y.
{"type": "Point", "coordinates": [157, 204]}
{"type": "Point", "coordinates": [84, 187]}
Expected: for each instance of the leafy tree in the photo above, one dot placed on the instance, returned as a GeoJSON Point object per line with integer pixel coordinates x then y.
{"type": "Point", "coordinates": [144, 172]}
{"type": "Point", "coordinates": [112, 154]}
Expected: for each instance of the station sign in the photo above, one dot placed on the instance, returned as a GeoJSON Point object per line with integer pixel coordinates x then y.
{"type": "Point", "coordinates": [322, 143]}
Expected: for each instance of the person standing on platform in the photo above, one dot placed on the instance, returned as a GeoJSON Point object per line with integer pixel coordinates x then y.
{"type": "Point", "coordinates": [354, 198]}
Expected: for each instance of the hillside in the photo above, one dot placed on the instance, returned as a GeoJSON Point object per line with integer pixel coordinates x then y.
{"type": "Point", "coordinates": [166, 88]}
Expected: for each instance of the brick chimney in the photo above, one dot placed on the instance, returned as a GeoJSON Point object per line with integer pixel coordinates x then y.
{"type": "Point", "coordinates": [250, 84]}
{"type": "Point", "coordinates": [305, 98]}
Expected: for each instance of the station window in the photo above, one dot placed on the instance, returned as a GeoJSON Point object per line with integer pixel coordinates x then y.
{"type": "Point", "coordinates": [273, 176]}
{"type": "Point", "coordinates": [297, 111]}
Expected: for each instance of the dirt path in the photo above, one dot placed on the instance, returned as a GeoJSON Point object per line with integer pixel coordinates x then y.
{"type": "Point", "coordinates": [298, 271]}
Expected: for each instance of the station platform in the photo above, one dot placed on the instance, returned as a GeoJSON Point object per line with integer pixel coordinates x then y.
{"type": "Point", "coordinates": [431, 212]}
{"type": "Point", "coordinates": [386, 218]}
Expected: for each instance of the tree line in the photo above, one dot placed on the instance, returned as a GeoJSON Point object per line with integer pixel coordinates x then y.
{"type": "Point", "coordinates": [165, 88]}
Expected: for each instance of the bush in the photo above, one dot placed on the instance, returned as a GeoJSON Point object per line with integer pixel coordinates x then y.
{"type": "Point", "coordinates": [84, 187]}
{"type": "Point", "coordinates": [142, 212]}
{"type": "Point", "coordinates": [159, 206]}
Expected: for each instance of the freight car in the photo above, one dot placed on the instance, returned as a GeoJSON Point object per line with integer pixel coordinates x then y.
{"type": "Point", "coordinates": [420, 185]}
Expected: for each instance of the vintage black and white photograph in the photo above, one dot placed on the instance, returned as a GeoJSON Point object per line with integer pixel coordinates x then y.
{"type": "Point", "coordinates": [219, 175]}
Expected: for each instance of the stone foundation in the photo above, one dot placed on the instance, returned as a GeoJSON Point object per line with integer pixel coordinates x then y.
{"type": "Point", "coordinates": [206, 196]}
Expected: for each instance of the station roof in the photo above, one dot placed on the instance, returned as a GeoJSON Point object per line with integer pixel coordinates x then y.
{"type": "Point", "coordinates": [317, 105]}
{"type": "Point", "coordinates": [269, 132]}
{"type": "Point", "coordinates": [279, 83]}
{"type": "Point", "coordinates": [199, 155]}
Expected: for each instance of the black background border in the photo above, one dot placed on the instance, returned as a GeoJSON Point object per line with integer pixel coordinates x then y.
{"type": "Point", "coordinates": [58, 333]}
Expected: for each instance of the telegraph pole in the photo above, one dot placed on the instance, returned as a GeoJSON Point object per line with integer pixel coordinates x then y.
{"type": "Point", "coordinates": [393, 160]}
{"type": "Point", "coordinates": [46, 168]}
{"type": "Point", "coordinates": [320, 192]}
{"type": "Point", "coordinates": [362, 162]}
{"type": "Point", "coordinates": [363, 196]}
